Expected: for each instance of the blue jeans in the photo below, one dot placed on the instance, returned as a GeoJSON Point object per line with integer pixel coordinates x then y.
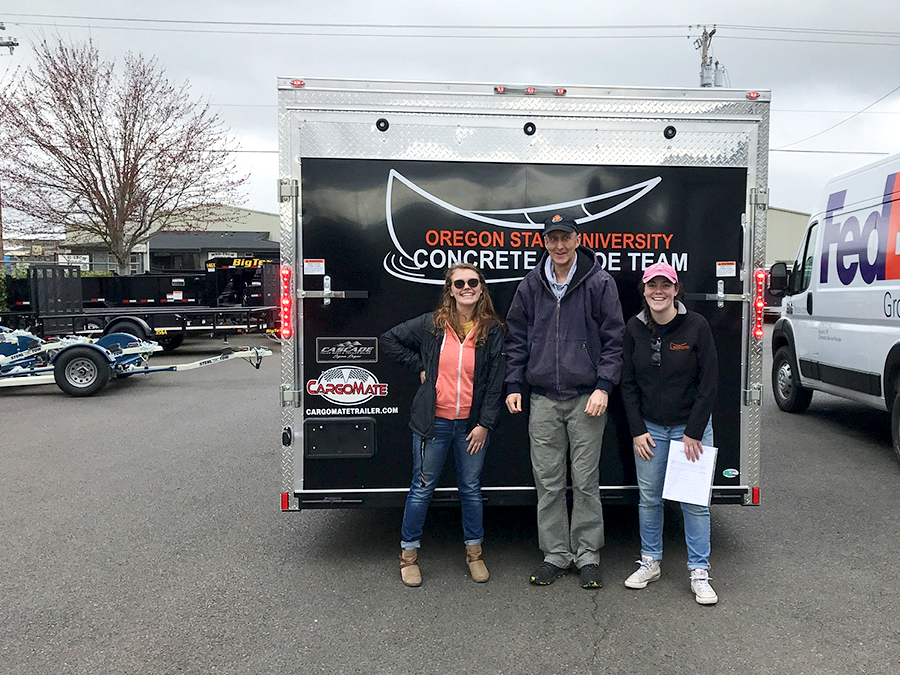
{"type": "Point", "coordinates": [428, 463]}
{"type": "Point", "coordinates": [650, 478]}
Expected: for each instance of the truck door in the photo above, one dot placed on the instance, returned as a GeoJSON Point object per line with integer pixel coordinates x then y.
{"type": "Point", "coordinates": [800, 305]}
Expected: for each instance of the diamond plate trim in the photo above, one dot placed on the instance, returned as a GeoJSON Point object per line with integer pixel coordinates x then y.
{"type": "Point", "coordinates": [288, 259]}
{"type": "Point", "coordinates": [632, 145]}
{"type": "Point", "coordinates": [313, 99]}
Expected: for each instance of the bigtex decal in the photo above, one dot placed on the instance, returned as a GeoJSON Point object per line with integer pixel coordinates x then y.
{"type": "Point", "coordinates": [507, 243]}
{"type": "Point", "coordinates": [870, 249]}
{"type": "Point", "coordinates": [346, 385]}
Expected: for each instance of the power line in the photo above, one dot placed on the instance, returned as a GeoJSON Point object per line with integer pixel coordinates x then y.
{"type": "Point", "coordinates": [856, 114]}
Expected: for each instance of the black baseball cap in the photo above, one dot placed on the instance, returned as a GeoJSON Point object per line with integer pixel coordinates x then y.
{"type": "Point", "coordinates": [560, 223]}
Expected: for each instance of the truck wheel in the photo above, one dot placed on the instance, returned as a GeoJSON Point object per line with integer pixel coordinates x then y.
{"type": "Point", "coordinates": [895, 424]}
{"type": "Point", "coordinates": [170, 343]}
{"type": "Point", "coordinates": [81, 371]}
{"type": "Point", "coordinates": [789, 395]}
{"type": "Point", "coordinates": [131, 328]}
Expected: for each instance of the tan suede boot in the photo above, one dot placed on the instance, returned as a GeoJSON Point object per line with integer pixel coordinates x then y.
{"type": "Point", "coordinates": [477, 568]}
{"type": "Point", "coordinates": [409, 567]}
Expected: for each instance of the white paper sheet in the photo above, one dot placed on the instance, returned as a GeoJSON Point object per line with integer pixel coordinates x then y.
{"type": "Point", "coordinates": [688, 481]}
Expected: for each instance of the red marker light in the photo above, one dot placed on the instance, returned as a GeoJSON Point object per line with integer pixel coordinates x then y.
{"type": "Point", "coordinates": [287, 304]}
{"type": "Point", "coordinates": [500, 90]}
{"type": "Point", "coordinates": [753, 95]}
{"type": "Point", "coordinates": [297, 83]}
{"type": "Point", "coordinates": [755, 497]}
{"type": "Point", "coordinates": [285, 501]}
{"type": "Point", "coordinates": [560, 92]}
{"type": "Point", "coordinates": [529, 90]}
{"type": "Point", "coordinates": [759, 304]}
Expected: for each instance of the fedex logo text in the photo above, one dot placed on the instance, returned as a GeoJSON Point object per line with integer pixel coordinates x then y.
{"type": "Point", "coordinates": [872, 248]}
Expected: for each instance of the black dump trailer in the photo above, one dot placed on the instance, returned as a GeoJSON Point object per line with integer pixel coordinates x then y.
{"type": "Point", "coordinates": [384, 185]}
{"type": "Point", "coordinates": [167, 308]}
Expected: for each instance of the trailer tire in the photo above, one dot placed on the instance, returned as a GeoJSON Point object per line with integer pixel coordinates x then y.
{"type": "Point", "coordinates": [129, 327]}
{"type": "Point", "coordinates": [170, 343]}
{"type": "Point", "coordinates": [789, 394]}
{"type": "Point", "coordinates": [81, 371]}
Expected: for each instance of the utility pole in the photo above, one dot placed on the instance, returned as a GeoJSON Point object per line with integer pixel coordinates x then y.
{"type": "Point", "coordinates": [12, 43]}
{"type": "Point", "coordinates": [707, 70]}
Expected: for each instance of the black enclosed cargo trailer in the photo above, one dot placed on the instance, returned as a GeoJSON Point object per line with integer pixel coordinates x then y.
{"type": "Point", "coordinates": [385, 185]}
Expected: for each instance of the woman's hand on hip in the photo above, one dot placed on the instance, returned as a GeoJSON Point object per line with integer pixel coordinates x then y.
{"type": "Point", "coordinates": [476, 439]}
{"type": "Point", "coordinates": [692, 448]}
{"type": "Point", "coordinates": [642, 445]}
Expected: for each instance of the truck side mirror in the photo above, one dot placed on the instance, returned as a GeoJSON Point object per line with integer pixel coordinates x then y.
{"type": "Point", "coordinates": [778, 279]}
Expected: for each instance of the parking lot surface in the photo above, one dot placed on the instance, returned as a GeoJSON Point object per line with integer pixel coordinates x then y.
{"type": "Point", "coordinates": [142, 533]}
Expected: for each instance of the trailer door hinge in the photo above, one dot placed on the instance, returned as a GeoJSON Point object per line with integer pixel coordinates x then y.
{"type": "Point", "coordinates": [753, 395]}
{"type": "Point", "coordinates": [759, 198]}
{"type": "Point", "coordinates": [287, 190]}
{"type": "Point", "coordinates": [290, 397]}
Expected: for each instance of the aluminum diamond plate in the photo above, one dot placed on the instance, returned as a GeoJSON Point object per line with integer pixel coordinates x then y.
{"type": "Point", "coordinates": [560, 144]}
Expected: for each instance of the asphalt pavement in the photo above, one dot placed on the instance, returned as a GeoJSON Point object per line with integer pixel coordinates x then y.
{"type": "Point", "coordinates": [142, 533]}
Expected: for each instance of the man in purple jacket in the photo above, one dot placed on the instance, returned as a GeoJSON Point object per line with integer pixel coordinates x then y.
{"type": "Point", "coordinates": [565, 341]}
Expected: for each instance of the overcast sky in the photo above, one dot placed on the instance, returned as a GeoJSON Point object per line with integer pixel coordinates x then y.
{"type": "Point", "coordinates": [838, 58]}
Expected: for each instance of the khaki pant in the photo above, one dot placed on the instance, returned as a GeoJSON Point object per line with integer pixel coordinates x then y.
{"type": "Point", "coordinates": [556, 427]}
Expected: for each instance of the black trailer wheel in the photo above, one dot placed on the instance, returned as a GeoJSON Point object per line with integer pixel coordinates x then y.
{"type": "Point", "coordinates": [789, 395]}
{"type": "Point", "coordinates": [170, 343]}
{"type": "Point", "coordinates": [129, 327]}
{"type": "Point", "coordinates": [81, 371]}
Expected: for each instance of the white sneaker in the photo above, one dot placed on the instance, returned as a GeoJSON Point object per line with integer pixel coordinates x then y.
{"type": "Point", "coordinates": [647, 572]}
{"type": "Point", "coordinates": [703, 592]}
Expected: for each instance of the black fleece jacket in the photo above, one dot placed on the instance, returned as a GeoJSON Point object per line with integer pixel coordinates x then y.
{"type": "Point", "coordinates": [682, 388]}
{"type": "Point", "coordinates": [415, 344]}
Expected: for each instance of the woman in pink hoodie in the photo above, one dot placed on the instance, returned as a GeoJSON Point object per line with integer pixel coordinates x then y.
{"type": "Point", "coordinates": [457, 350]}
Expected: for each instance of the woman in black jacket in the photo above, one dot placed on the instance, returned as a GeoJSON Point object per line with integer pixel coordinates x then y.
{"type": "Point", "coordinates": [669, 381]}
{"type": "Point", "coordinates": [457, 350]}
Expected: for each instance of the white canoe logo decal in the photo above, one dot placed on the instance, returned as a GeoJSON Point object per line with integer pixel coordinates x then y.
{"type": "Point", "coordinates": [501, 242]}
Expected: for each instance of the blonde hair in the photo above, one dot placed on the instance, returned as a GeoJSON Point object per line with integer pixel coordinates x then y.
{"type": "Point", "coordinates": [484, 316]}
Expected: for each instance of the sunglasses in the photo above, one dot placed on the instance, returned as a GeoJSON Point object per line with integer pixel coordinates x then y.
{"type": "Point", "coordinates": [461, 283]}
{"type": "Point", "coordinates": [655, 357]}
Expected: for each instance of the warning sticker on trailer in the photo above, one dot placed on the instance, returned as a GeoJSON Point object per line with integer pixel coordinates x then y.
{"type": "Point", "coordinates": [314, 266]}
{"type": "Point", "coordinates": [726, 268]}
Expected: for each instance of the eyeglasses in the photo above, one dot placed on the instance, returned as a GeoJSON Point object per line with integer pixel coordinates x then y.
{"type": "Point", "coordinates": [461, 283]}
{"type": "Point", "coordinates": [655, 357]}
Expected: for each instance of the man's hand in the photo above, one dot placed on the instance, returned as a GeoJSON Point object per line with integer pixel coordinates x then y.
{"type": "Point", "coordinates": [642, 446]}
{"type": "Point", "coordinates": [514, 403]}
{"type": "Point", "coordinates": [476, 439]}
{"type": "Point", "coordinates": [422, 377]}
{"type": "Point", "coordinates": [596, 404]}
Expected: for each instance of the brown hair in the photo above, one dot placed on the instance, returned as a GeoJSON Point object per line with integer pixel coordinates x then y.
{"type": "Point", "coordinates": [484, 316]}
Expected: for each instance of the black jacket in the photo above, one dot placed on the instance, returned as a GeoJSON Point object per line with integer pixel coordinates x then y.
{"type": "Point", "coordinates": [415, 344]}
{"type": "Point", "coordinates": [682, 388]}
{"type": "Point", "coordinates": [564, 348]}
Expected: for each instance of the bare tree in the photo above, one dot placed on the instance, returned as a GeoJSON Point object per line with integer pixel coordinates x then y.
{"type": "Point", "coordinates": [114, 155]}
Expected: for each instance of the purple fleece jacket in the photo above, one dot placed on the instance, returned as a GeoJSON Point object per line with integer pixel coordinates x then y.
{"type": "Point", "coordinates": [568, 347]}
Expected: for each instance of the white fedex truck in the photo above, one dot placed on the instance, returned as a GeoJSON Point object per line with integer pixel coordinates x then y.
{"type": "Point", "coordinates": [840, 326]}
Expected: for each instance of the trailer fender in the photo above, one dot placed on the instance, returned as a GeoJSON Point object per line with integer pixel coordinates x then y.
{"type": "Point", "coordinates": [90, 345]}
{"type": "Point", "coordinates": [127, 324]}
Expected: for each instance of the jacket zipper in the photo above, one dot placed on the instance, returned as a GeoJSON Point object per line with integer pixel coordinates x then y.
{"type": "Point", "coordinates": [558, 301]}
{"type": "Point", "coordinates": [458, 378]}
